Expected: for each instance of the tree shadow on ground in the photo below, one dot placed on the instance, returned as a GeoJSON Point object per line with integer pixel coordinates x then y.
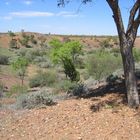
{"type": "Point", "coordinates": [100, 89]}
{"type": "Point", "coordinates": [116, 88]}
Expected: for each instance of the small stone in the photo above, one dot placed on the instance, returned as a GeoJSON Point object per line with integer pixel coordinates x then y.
{"type": "Point", "coordinates": [79, 138]}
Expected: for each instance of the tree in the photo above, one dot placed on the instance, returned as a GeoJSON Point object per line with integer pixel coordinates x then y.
{"type": "Point", "coordinates": [66, 53]}
{"type": "Point", "coordinates": [11, 34]}
{"type": "Point", "coordinates": [20, 65]}
{"type": "Point", "coordinates": [126, 38]}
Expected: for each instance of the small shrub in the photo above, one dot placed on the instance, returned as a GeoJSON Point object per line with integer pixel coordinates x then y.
{"type": "Point", "coordinates": [102, 64]}
{"type": "Point", "coordinates": [34, 41]}
{"type": "Point", "coordinates": [13, 44]}
{"type": "Point", "coordinates": [38, 59]}
{"type": "Point", "coordinates": [105, 43]}
{"type": "Point", "coordinates": [45, 65]}
{"type": "Point", "coordinates": [17, 90]}
{"type": "Point", "coordinates": [11, 34]}
{"type": "Point", "coordinates": [79, 90]}
{"type": "Point", "coordinates": [136, 53]}
{"type": "Point", "coordinates": [22, 52]}
{"type": "Point", "coordinates": [33, 100]}
{"type": "Point", "coordinates": [65, 85]}
{"type": "Point", "coordinates": [29, 56]}
{"type": "Point", "coordinates": [4, 60]}
{"type": "Point", "coordinates": [43, 79]}
{"type": "Point", "coordinates": [1, 89]}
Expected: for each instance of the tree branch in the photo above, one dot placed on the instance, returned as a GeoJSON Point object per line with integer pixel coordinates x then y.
{"type": "Point", "coordinates": [117, 17]}
{"type": "Point", "coordinates": [132, 32]}
{"type": "Point", "coordinates": [132, 21]}
{"type": "Point", "coordinates": [62, 2]}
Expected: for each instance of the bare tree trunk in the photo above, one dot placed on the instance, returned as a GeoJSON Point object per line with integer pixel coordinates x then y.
{"type": "Point", "coordinates": [129, 72]}
{"type": "Point", "coordinates": [127, 39]}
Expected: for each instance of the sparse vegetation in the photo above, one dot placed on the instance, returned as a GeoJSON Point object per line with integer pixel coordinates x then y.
{"type": "Point", "coordinates": [102, 63]}
{"type": "Point", "coordinates": [33, 100]}
{"type": "Point", "coordinates": [17, 90]}
{"type": "Point", "coordinates": [20, 65]}
{"type": "Point", "coordinates": [136, 53]}
{"type": "Point", "coordinates": [13, 44]}
{"type": "Point", "coordinates": [1, 89]}
{"type": "Point", "coordinates": [43, 79]}
{"type": "Point", "coordinates": [4, 60]}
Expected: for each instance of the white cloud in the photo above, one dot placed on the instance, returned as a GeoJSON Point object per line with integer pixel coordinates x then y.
{"type": "Point", "coordinates": [28, 2]}
{"type": "Point", "coordinates": [31, 14]}
{"type": "Point", "coordinates": [7, 17]}
{"type": "Point", "coordinates": [67, 14]}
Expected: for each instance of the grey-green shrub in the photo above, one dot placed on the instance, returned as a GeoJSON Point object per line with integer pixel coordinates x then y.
{"type": "Point", "coordinates": [65, 85]}
{"type": "Point", "coordinates": [45, 64]}
{"type": "Point", "coordinates": [43, 79]}
{"type": "Point", "coordinates": [33, 55]}
{"type": "Point", "coordinates": [4, 60]}
{"type": "Point", "coordinates": [35, 99]}
{"type": "Point", "coordinates": [17, 90]}
{"type": "Point", "coordinates": [102, 63]}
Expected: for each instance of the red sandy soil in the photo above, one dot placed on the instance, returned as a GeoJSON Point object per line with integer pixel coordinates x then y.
{"type": "Point", "coordinates": [9, 80]}
{"type": "Point", "coordinates": [72, 120]}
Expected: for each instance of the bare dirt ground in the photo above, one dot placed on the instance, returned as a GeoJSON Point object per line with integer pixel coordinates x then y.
{"type": "Point", "coordinates": [73, 119]}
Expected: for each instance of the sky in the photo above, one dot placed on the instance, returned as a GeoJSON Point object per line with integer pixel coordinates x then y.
{"type": "Point", "coordinates": [44, 16]}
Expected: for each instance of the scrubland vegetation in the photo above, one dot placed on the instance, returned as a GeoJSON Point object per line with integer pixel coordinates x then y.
{"type": "Point", "coordinates": [61, 79]}
{"type": "Point", "coordinates": [62, 64]}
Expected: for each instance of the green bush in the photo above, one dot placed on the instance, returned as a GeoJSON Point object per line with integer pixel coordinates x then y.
{"type": "Point", "coordinates": [33, 100]}
{"type": "Point", "coordinates": [65, 85]}
{"type": "Point", "coordinates": [43, 79]}
{"type": "Point", "coordinates": [102, 63]}
{"type": "Point", "coordinates": [33, 55]}
{"type": "Point", "coordinates": [1, 89]}
{"type": "Point", "coordinates": [16, 90]}
{"type": "Point", "coordinates": [136, 53]}
{"type": "Point", "coordinates": [115, 50]}
{"type": "Point", "coordinates": [105, 43]}
{"type": "Point", "coordinates": [4, 60]}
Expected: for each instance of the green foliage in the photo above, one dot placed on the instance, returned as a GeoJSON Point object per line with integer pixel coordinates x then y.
{"type": "Point", "coordinates": [136, 54]}
{"type": "Point", "coordinates": [103, 63]}
{"type": "Point", "coordinates": [17, 90]}
{"type": "Point", "coordinates": [43, 79]}
{"type": "Point", "coordinates": [105, 43]}
{"type": "Point", "coordinates": [115, 51]}
{"type": "Point", "coordinates": [11, 34]}
{"type": "Point", "coordinates": [36, 56]}
{"type": "Point", "coordinates": [64, 85]}
{"type": "Point", "coordinates": [70, 70]}
{"type": "Point", "coordinates": [20, 65]}
{"type": "Point", "coordinates": [66, 53]}
{"type": "Point", "coordinates": [4, 60]}
{"type": "Point", "coordinates": [69, 50]}
{"type": "Point", "coordinates": [1, 89]}
{"type": "Point", "coordinates": [25, 40]}
{"type": "Point", "coordinates": [33, 100]}
{"type": "Point", "coordinates": [6, 52]}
